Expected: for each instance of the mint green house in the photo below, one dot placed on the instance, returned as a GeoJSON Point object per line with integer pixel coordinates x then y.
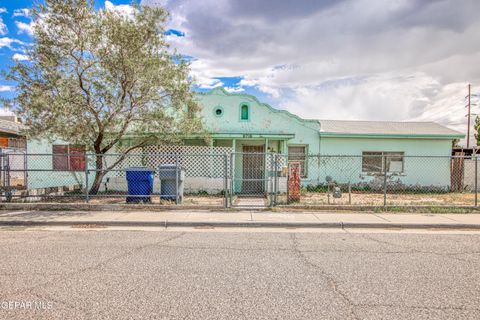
{"type": "Point", "coordinates": [258, 141]}
{"type": "Point", "coordinates": [356, 152]}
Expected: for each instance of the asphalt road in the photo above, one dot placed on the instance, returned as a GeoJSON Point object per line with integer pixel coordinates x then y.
{"type": "Point", "coordinates": [238, 275]}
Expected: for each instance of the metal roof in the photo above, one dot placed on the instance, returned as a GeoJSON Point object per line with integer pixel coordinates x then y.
{"type": "Point", "coordinates": [386, 128]}
{"type": "Point", "coordinates": [11, 127]}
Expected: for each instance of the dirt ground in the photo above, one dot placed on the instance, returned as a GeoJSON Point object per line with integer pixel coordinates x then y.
{"type": "Point", "coordinates": [445, 199]}
{"type": "Point", "coordinates": [307, 198]}
{"type": "Point", "coordinates": [187, 200]}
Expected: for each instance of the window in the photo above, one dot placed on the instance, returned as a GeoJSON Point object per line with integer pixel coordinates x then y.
{"type": "Point", "coordinates": [297, 154]}
{"type": "Point", "coordinates": [244, 112]}
{"type": "Point", "coordinates": [218, 111]}
{"type": "Point", "coordinates": [373, 162]}
{"type": "Point", "coordinates": [68, 157]}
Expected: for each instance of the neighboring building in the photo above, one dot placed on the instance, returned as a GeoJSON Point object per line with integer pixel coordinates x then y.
{"type": "Point", "coordinates": [12, 152]}
{"type": "Point", "coordinates": [240, 124]}
{"type": "Point", "coordinates": [10, 134]}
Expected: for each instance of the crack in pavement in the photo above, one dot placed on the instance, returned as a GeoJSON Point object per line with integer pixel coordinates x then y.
{"type": "Point", "coordinates": [353, 250]}
{"type": "Point", "coordinates": [100, 264]}
{"type": "Point", "coordinates": [331, 281]}
{"type": "Point", "coordinates": [413, 250]}
{"type": "Point", "coordinates": [391, 305]}
{"type": "Point", "coordinates": [336, 289]}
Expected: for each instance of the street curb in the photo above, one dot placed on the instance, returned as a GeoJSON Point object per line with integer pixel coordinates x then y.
{"type": "Point", "coordinates": [159, 208]}
{"type": "Point", "coordinates": [253, 224]}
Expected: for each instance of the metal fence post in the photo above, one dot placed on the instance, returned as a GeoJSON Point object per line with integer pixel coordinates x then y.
{"type": "Point", "coordinates": [87, 196]}
{"type": "Point", "coordinates": [176, 178]}
{"type": "Point", "coordinates": [225, 175]}
{"type": "Point", "coordinates": [8, 173]}
{"type": "Point", "coordinates": [270, 176]}
{"type": "Point", "coordinates": [25, 169]}
{"type": "Point", "coordinates": [384, 181]}
{"type": "Point", "coordinates": [476, 181]}
{"type": "Point", "coordinates": [275, 176]}
{"type": "Point", "coordinates": [232, 174]}
{"type": "Point", "coordinates": [2, 172]}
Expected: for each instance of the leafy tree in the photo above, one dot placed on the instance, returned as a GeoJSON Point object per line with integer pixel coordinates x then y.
{"type": "Point", "coordinates": [99, 78]}
{"type": "Point", "coordinates": [455, 143]}
{"type": "Point", "coordinates": [476, 126]}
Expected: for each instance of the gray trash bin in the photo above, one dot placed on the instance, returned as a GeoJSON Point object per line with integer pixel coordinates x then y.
{"type": "Point", "coordinates": [168, 182]}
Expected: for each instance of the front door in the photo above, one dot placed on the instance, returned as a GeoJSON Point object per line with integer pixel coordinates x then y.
{"type": "Point", "coordinates": [253, 170]}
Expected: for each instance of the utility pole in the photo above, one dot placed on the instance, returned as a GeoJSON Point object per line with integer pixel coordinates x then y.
{"type": "Point", "coordinates": [468, 116]}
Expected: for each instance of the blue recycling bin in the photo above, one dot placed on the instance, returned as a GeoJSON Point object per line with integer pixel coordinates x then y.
{"type": "Point", "coordinates": [140, 184]}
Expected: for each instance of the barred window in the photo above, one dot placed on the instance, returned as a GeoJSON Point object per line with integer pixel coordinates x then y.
{"type": "Point", "coordinates": [373, 162]}
{"type": "Point", "coordinates": [68, 157]}
{"type": "Point", "coordinates": [297, 154]}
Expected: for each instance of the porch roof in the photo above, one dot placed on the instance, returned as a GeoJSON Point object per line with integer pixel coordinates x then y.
{"type": "Point", "coordinates": [243, 135]}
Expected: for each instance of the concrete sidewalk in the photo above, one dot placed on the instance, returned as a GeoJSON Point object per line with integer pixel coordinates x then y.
{"type": "Point", "coordinates": [240, 219]}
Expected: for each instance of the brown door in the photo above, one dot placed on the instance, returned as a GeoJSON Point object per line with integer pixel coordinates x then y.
{"type": "Point", "coordinates": [253, 170]}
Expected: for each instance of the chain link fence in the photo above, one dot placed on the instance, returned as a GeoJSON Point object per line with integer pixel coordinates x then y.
{"type": "Point", "coordinates": [229, 179]}
{"type": "Point", "coordinates": [389, 179]}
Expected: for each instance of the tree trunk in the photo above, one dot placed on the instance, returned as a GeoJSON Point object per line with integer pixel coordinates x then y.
{"type": "Point", "coordinates": [99, 174]}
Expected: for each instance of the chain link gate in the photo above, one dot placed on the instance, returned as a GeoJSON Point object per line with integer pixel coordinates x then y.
{"type": "Point", "coordinates": [252, 178]}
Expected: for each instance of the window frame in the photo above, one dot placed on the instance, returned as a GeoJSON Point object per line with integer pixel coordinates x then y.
{"type": "Point", "coordinates": [244, 104]}
{"type": "Point", "coordinates": [384, 164]}
{"type": "Point", "coordinates": [303, 163]}
{"type": "Point", "coordinates": [73, 162]}
{"type": "Point", "coordinates": [215, 111]}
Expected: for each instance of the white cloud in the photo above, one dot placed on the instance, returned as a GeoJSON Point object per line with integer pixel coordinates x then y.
{"type": "Point", "coordinates": [448, 107]}
{"type": "Point", "coordinates": [3, 26]}
{"type": "Point", "coordinates": [25, 27]}
{"type": "Point", "coordinates": [20, 57]}
{"type": "Point", "coordinates": [234, 89]}
{"type": "Point", "coordinates": [375, 97]}
{"type": "Point", "coordinates": [203, 78]}
{"type": "Point", "coordinates": [4, 88]}
{"type": "Point", "coordinates": [208, 83]}
{"type": "Point", "coordinates": [8, 42]}
{"type": "Point", "coordinates": [25, 12]}
{"type": "Point", "coordinates": [123, 9]}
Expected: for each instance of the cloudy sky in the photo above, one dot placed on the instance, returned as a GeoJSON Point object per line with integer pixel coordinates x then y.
{"type": "Point", "coordinates": [331, 59]}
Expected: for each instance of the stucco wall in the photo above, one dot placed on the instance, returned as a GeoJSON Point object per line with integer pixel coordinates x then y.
{"type": "Point", "coordinates": [418, 170]}
{"type": "Point", "coordinates": [263, 119]}
{"type": "Point", "coordinates": [40, 158]}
